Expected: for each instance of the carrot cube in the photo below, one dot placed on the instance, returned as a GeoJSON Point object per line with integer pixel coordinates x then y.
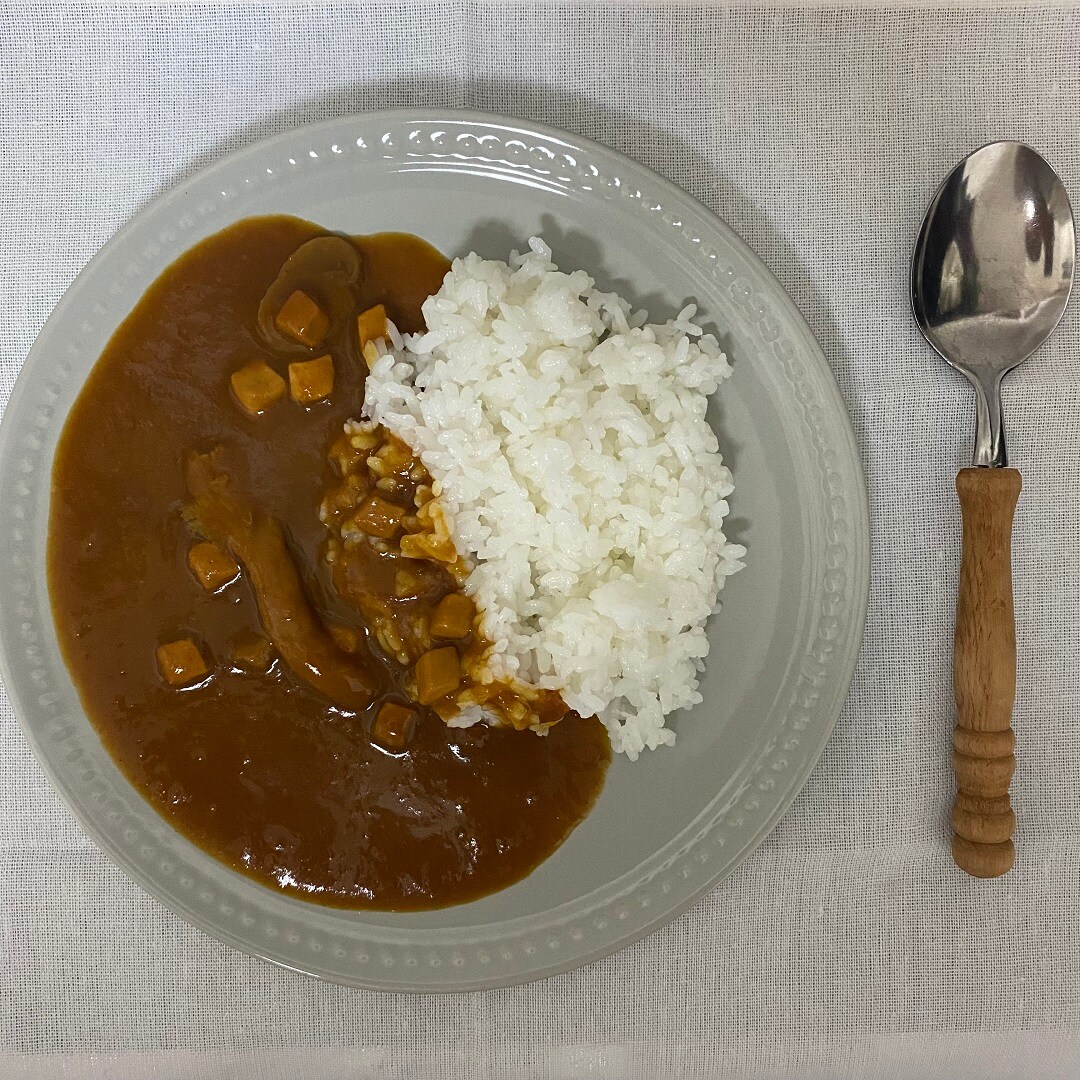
{"type": "Point", "coordinates": [302, 319]}
{"type": "Point", "coordinates": [438, 673]}
{"type": "Point", "coordinates": [212, 566]}
{"type": "Point", "coordinates": [394, 725]}
{"type": "Point", "coordinates": [181, 663]}
{"type": "Point", "coordinates": [257, 386]}
{"type": "Point", "coordinates": [453, 616]}
{"type": "Point", "coordinates": [371, 325]}
{"type": "Point", "coordinates": [311, 380]}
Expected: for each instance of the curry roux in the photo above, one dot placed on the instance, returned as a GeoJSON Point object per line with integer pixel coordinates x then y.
{"type": "Point", "coordinates": [256, 766]}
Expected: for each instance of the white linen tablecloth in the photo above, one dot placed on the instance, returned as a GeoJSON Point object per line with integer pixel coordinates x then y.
{"type": "Point", "coordinates": [847, 945]}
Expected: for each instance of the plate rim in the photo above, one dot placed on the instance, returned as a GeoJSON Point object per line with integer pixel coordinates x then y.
{"type": "Point", "coordinates": [811, 355]}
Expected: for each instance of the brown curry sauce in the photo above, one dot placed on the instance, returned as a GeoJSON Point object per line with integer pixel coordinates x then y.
{"type": "Point", "coordinates": [261, 769]}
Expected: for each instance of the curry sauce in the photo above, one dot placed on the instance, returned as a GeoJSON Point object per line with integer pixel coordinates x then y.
{"type": "Point", "coordinates": [336, 781]}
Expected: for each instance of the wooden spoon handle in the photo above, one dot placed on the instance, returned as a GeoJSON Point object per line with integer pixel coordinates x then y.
{"type": "Point", "coordinates": [984, 674]}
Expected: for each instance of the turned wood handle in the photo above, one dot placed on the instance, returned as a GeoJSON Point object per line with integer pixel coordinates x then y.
{"type": "Point", "coordinates": [984, 674]}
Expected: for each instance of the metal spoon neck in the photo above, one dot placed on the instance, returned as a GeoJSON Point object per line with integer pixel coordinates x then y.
{"type": "Point", "coordinates": [990, 450]}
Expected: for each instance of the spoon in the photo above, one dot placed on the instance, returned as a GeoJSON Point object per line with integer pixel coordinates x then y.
{"type": "Point", "coordinates": [990, 279]}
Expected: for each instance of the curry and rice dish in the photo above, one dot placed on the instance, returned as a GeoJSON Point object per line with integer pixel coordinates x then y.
{"type": "Point", "coordinates": [304, 569]}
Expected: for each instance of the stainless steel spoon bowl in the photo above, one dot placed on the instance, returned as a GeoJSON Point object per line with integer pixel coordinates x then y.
{"type": "Point", "coordinates": [992, 273]}
{"type": "Point", "coordinates": [990, 279]}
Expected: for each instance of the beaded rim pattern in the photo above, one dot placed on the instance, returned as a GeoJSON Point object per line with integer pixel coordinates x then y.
{"type": "Point", "coordinates": [316, 940]}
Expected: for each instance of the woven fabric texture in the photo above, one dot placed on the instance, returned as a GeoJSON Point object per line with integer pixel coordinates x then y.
{"type": "Point", "coordinates": [847, 945]}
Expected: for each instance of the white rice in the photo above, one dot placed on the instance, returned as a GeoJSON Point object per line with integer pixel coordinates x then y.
{"type": "Point", "coordinates": [575, 467]}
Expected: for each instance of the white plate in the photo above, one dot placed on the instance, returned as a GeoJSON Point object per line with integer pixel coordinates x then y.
{"type": "Point", "coordinates": [666, 828]}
